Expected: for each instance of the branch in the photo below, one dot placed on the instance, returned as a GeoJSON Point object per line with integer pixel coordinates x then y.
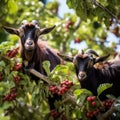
{"type": "Point", "coordinates": [46, 79]}
{"type": "Point", "coordinates": [106, 115]}
{"type": "Point", "coordinates": [70, 99]}
{"type": "Point", "coordinates": [39, 75]}
{"type": "Point", "coordinates": [5, 58]}
{"type": "Point", "coordinates": [103, 8]}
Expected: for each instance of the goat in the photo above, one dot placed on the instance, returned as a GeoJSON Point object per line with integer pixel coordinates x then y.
{"type": "Point", "coordinates": [33, 50]}
{"type": "Point", "coordinates": [90, 77]}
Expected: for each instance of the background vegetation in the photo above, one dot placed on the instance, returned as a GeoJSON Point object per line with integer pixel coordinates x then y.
{"type": "Point", "coordinates": [92, 23]}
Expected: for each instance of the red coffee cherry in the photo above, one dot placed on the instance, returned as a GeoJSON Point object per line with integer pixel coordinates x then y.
{"type": "Point", "coordinates": [54, 89]}
{"type": "Point", "coordinates": [89, 99]}
{"type": "Point", "coordinates": [17, 79]}
{"type": "Point", "coordinates": [17, 66]}
{"type": "Point", "coordinates": [93, 103]}
{"type": "Point", "coordinates": [55, 114]}
{"type": "Point", "coordinates": [11, 96]}
{"type": "Point", "coordinates": [12, 53]}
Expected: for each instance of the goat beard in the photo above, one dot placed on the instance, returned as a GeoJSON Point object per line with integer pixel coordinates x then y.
{"type": "Point", "coordinates": [27, 54]}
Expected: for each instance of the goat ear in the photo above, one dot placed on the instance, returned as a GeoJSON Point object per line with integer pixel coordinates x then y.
{"type": "Point", "coordinates": [11, 30]}
{"type": "Point", "coordinates": [46, 30]}
{"type": "Point", "coordinates": [65, 57]}
{"type": "Point", "coordinates": [101, 59]}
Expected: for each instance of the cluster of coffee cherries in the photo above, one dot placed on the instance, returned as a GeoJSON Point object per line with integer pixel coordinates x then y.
{"type": "Point", "coordinates": [92, 101]}
{"type": "Point", "coordinates": [54, 113]}
{"type": "Point", "coordinates": [68, 25]}
{"type": "Point", "coordinates": [64, 87]}
{"type": "Point", "coordinates": [90, 114]}
{"type": "Point", "coordinates": [17, 79]}
{"type": "Point", "coordinates": [108, 103]}
{"type": "Point", "coordinates": [12, 53]}
{"type": "Point", "coordinates": [77, 40]}
{"type": "Point", "coordinates": [17, 66]}
{"type": "Point", "coordinates": [11, 96]}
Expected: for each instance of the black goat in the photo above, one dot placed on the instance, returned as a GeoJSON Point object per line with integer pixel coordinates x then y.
{"type": "Point", "coordinates": [33, 50]}
{"type": "Point", "coordinates": [91, 77]}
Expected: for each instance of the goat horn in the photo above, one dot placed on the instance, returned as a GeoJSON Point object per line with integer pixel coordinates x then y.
{"type": "Point", "coordinates": [81, 51]}
{"type": "Point", "coordinates": [24, 22]}
{"type": "Point", "coordinates": [35, 22]}
{"type": "Point", "coordinates": [65, 57]}
{"type": "Point", "coordinates": [90, 51]}
{"type": "Point", "coordinates": [101, 59]}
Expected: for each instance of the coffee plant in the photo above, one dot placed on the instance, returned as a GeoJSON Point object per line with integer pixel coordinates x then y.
{"type": "Point", "coordinates": [18, 92]}
{"type": "Point", "coordinates": [91, 8]}
{"type": "Point", "coordinates": [20, 97]}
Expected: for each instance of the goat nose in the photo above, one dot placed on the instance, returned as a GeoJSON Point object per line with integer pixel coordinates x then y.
{"type": "Point", "coordinates": [82, 75]}
{"type": "Point", "coordinates": [29, 42]}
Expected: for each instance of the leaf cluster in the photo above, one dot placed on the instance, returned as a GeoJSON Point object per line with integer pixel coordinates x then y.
{"type": "Point", "coordinates": [88, 9]}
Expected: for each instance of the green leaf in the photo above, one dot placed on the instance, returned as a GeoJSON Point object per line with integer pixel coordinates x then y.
{"type": "Point", "coordinates": [4, 87]}
{"type": "Point", "coordinates": [81, 95]}
{"type": "Point", "coordinates": [71, 3]}
{"type": "Point", "coordinates": [78, 113]}
{"type": "Point", "coordinates": [14, 73]}
{"type": "Point", "coordinates": [2, 63]}
{"type": "Point", "coordinates": [7, 70]}
{"type": "Point", "coordinates": [12, 6]}
{"type": "Point", "coordinates": [46, 66]}
{"type": "Point", "coordinates": [83, 113]}
{"type": "Point", "coordinates": [60, 69]}
{"type": "Point", "coordinates": [81, 91]}
{"type": "Point", "coordinates": [103, 87]}
{"type": "Point", "coordinates": [109, 96]}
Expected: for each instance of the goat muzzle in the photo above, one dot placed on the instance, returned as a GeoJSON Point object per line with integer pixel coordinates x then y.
{"type": "Point", "coordinates": [82, 75]}
{"type": "Point", "coordinates": [29, 45]}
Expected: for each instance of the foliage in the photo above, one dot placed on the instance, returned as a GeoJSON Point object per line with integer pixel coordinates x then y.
{"type": "Point", "coordinates": [20, 93]}
{"type": "Point", "coordinates": [30, 97]}
{"type": "Point", "coordinates": [103, 87]}
{"type": "Point", "coordinates": [7, 6]}
{"type": "Point", "coordinates": [91, 8]}
{"type": "Point", "coordinates": [90, 24]}
{"type": "Point", "coordinates": [70, 28]}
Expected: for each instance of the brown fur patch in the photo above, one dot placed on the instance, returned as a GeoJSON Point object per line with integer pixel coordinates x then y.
{"type": "Point", "coordinates": [82, 55]}
{"type": "Point", "coordinates": [31, 25]}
